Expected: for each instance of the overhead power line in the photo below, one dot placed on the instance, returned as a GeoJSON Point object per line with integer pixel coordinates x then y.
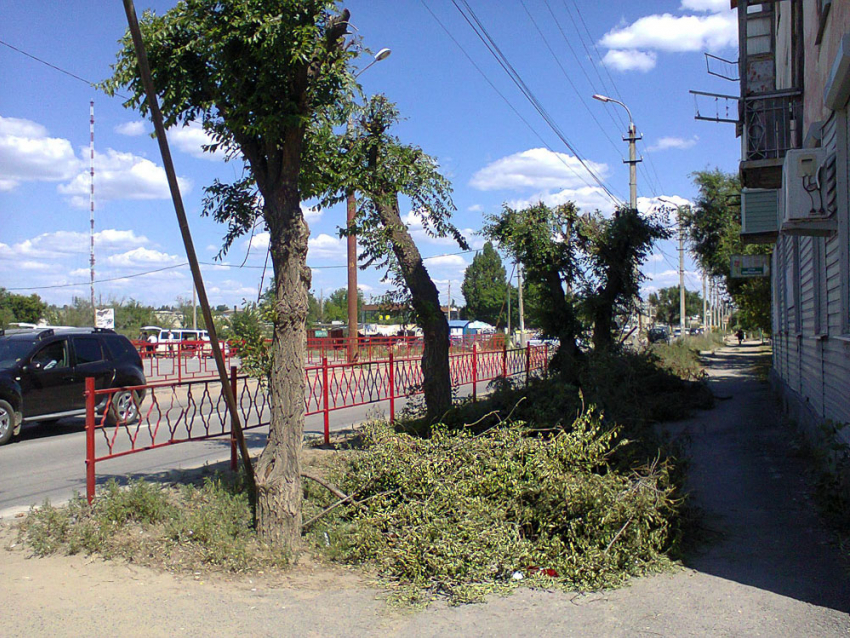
{"type": "Point", "coordinates": [58, 68]}
{"type": "Point", "coordinates": [204, 263]}
{"type": "Point", "coordinates": [489, 42]}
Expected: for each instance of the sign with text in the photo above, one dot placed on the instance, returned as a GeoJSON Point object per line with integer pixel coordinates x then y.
{"type": "Point", "coordinates": [744, 266]}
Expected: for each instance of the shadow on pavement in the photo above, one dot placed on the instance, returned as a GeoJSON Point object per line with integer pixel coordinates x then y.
{"type": "Point", "coordinates": [753, 488]}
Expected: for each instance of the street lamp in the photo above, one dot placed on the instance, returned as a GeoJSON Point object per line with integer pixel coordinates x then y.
{"type": "Point", "coordinates": [633, 160]}
{"type": "Point", "coordinates": [631, 138]}
{"type": "Point", "coordinates": [351, 211]}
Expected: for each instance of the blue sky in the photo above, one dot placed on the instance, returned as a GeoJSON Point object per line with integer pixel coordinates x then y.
{"type": "Point", "coordinates": [649, 54]}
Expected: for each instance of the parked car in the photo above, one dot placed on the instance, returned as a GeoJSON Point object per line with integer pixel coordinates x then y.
{"type": "Point", "coordinates": [659, 334]}
{"type": "Point", "coordinates": [43, 373]}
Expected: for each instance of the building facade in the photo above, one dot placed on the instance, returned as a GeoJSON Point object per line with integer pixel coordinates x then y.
{"type": "Point", "coordinates": [794, 126]}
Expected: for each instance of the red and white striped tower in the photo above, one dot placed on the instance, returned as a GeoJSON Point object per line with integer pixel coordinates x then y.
{"type": "Point", "coordinates": [91, 208]}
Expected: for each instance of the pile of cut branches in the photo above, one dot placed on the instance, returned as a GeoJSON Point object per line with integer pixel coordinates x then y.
{"type": "Point", "coordinates": [461, 514]}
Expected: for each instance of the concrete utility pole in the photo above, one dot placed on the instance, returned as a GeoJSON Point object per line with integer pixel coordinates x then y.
{"type": "Point", "coordinates": [194, 307]}
{"type": "Point", "coordinates": [351, 242]}
{"type": "Point", "coordinates": [91, 209]}
{"type": "Point", "coordinates": [519, 301]}
{"type": "Point", "coordinates": [681, 273]}
{"type": "Point", "coordinates": [450, 300]}
{"type": "Point", "coordinates": [508, 329]}
{"type": "Point", "coordinates": [704, 304]}
{"type": "Point", "coordinates": [631, 137]}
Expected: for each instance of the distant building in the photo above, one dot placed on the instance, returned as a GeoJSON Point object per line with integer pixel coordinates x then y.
{"type": "Point", "coordinates": [459, 327]}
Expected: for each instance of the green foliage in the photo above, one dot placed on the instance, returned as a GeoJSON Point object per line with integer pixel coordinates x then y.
{"type": "Point", "coordinates": [667, 304]}
{"type": "Point", "coordinates": [382, 168]}
{"type": "Point", "coordinates": [485, 287]}
{"type": "Point", "coordinates": [130, 315]}
{"type": "Point", "coordinates": [336, 305]}
{"type": "Point", "coordinates": [20, 308]}
{"type": "Point", "coordinates": [189, 529]}
{"type": "Point", "coordinates": [616, 248]}
{"type": "Point", "coordinates": [249, 336]}
{"type": "Point", "coordinates": [714, 231]}
{"type": "Point", "coordinates": [542, 239]}
{"type": "Point", "coordinates": [458, 514]}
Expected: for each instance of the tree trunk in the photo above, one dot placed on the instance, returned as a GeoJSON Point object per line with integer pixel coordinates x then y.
{"type": "Point", "coordinates": [278, 470]}
{"type": "Point", "coordinates": [437, 382]}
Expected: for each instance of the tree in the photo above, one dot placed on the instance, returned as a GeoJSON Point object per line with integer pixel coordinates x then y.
{"type": "Point", "coordinates": [667, 303]}
{"type": "Point", "coordinates": [20, 308]}
{"type": "Point", "coordinates": [616, 248]}
{"type": "Point", "coordinates": [542, 239]}
{"type": "Point", "coordinates": [336, 305]}
{"type": "Point", "coordinates": [264, 78]}
{"type": "Point", "coordinates": [485, 287]}
{"type": "Point", "coordinates": [383, 168]}
{"type": "Point", "coordinates": [714, 232]}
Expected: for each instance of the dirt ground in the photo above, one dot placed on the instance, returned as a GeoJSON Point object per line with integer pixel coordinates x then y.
{"type": "Point", "coordinates": [770, 569]}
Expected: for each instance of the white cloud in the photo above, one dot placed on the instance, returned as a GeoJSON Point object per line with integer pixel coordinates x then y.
{"type": "Point", "coordinates": [413, 221]}
{"type": "Point", "coordinates": [60, 243]}
{"type": "Point", "coordinates": [709, 6]}
{"type": "Point", "coordinates": [131, 129]}
{"type": "Point", "coordinates": [629, 60]}
{"type": "Point", "coordinates": [32, 265]}
{"type": "Point", "coordinates": [325, 246]}
{"type": "Point", "coordinates": [535, 169]}
{"type": "Point", "coordinates": [679, 143]}
{"type": "Point", "coordinates": [446, 261]}
{"type": "Point", "coordinates": [121, 175]}
{"type": "Point", "coordinates": [191, 138]}
{"type": "Point", "coordinates": [667, 32]}
{"type": "Point", "coordinates": [27, 153]}
{"type": "Point", "coordinates": [475, 208]}
{"type": "Point", "coordinates": [311, 213]}
{"type": "Point", "coordinates": [142, 257]}
{"type": "Point", "coordinates": [587, 198]}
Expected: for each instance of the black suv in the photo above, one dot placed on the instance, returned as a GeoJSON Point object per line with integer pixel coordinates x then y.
{"type": "Point", "coordinates": [43, 374]}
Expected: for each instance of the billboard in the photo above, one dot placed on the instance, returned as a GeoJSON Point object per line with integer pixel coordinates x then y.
{"type": "Point", "coordinates": [105, 318]}
{"type": "Point", "coordinates": [744, 266]}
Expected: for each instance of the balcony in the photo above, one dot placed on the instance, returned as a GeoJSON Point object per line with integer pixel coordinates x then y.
{"type": "Point", "coordinates": [772, 126]}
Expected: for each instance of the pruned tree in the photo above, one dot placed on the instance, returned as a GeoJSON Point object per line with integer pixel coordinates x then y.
{"type": "Point", "coordinates": [266, 79]}
{"type": "Point", "coordinates": [542, 239]}
{"type": "Point", "coordinates": [383, 169]}
{"type": "Point", "coordinates": [616, 248]}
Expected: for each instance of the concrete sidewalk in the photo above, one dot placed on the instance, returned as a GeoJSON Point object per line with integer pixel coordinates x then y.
{"type": "Point", "coordinates": [770, 568]}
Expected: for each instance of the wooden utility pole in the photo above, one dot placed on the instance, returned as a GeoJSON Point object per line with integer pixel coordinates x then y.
{"type": "Point", "coordinates": [519, 302]}
{"type": "Point", "coordinates": [156, 116]}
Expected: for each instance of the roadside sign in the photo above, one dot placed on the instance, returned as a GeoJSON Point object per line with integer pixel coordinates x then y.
{"type": "Point", "coordinates": [745, 266]}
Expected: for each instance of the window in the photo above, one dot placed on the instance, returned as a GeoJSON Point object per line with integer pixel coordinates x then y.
{"type": "Point", "coordinates": [52, 356]}
{"type": "Point", "coordinates": [88, 350]}
{"type": "Point", "coordinates": [119, 348]}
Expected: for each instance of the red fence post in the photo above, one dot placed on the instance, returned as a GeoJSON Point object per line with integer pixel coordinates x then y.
{"type": "Point", "coordinates": [90, 474]}
{"type": "Point", "coordinates": [392, 387]}
{"type": "Point", "coordinates": [527, 362]}
{"type": "Point", "coordinates": [325, 400]}
{"type": "Point", "coordinates": [546, 359]}
{"type": "Point", "coordinates": [505, 358]}
{"type": "Point", "coordinates": [179, 362]}
{"type": "Point", "coordinates": [474, 372]}
{"type": "Point", "coordinates": [233, 465]}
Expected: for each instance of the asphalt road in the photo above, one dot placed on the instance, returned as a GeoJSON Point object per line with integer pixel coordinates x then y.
{"type": "Point", "coordinates": [47, 461]}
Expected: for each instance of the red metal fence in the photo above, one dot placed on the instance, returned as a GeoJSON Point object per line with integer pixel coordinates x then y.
{"type": "Point", "coordinates": [126, 421]}
{"type": "Point", "coordinates": [181, 360]}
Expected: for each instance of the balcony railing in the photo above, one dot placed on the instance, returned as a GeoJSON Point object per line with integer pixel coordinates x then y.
{"type": "Point", "coordinates": [772, 124]}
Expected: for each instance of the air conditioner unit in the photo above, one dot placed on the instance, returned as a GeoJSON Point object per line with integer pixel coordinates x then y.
{"type": "Point", "coordinates": [802, 203]}
{"type": "Point", "coordinates": [759, 213]}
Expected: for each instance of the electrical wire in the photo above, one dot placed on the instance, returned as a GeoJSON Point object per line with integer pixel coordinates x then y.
{"type": "Point", "coordinates": [489, 42]}
{"type": "Point", "coordinates": [60, 69]}
{"type": "Point", "coordinates": [500, 94]}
